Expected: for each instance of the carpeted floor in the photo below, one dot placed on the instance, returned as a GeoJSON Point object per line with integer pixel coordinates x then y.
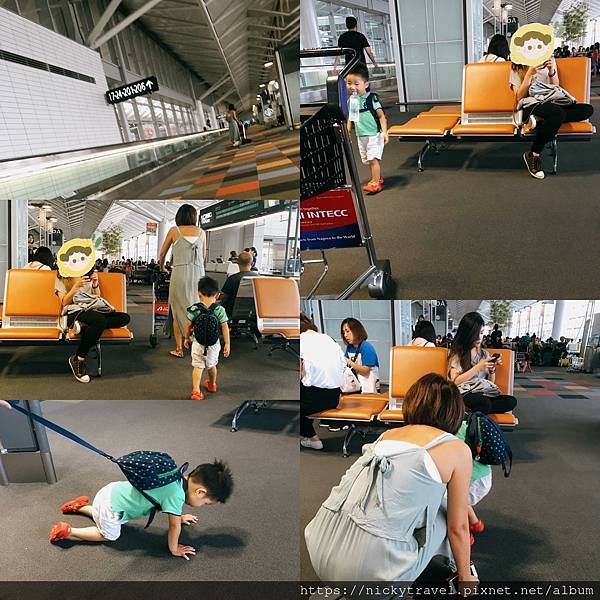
{"type": "Point", "coordinates": [541, 522]}
{"type": "Point", "coordinates": [251, 537]}
{"type": "Point", "coordinates": [137, 371]}
{"type": "Point", "coordinates": [266, 168]}
{"type": "Point", "coordinates": [476, 224]}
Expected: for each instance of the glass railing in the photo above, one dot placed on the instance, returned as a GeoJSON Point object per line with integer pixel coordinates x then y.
{"type": "Point", "coordinates": [81, 173]}
{"type": "Point", "coordinates": [313, 79]}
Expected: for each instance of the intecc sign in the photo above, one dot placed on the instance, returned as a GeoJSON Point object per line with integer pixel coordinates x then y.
{"type": "Point", "coordinates": [132, 90]}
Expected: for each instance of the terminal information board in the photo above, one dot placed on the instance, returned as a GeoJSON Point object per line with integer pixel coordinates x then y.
{"type": "Point", "coordinates": [235, 211]}
{"type": "Point", "coordinates": [143, 87]}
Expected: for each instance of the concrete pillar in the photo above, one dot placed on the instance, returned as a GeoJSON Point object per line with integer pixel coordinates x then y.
{"type": "Point", "coordinates": [257, 242]}
{"type": "Point", "coordinates": [213, 118]}
{"type": "Point", "coordinates": [200, 113]}
{"type": "Point", "coordinates": [559, 319]}
{"type": "Point", "coordinates": [161, 233]}
{"type": "Point", "coordinates": [309, 28]}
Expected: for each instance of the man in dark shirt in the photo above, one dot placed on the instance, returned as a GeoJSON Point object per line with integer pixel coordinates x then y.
{"type": "Point", "coordinates": [496, 337]}
{"type": "Point", "coordinates": [356, 40]}
{"type": "Point", "coordinates": [232, 283]}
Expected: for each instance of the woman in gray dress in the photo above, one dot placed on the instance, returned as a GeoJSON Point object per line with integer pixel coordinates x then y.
{"type": "Point", "coordinates": [234, 131]}
{"type": "Point", "coordinates": [389, 515]}
{"type": "Point", "coordinates": [187, 263]}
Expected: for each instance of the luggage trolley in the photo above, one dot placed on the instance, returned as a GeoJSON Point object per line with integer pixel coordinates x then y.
{"type": "Point", "coordinates": [160, 306]}
{"type": "Point", "coordinates": [332, 212]}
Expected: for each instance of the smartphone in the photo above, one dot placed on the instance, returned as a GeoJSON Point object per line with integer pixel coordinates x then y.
{"type": "Point", "coordinates": [494, 357]}
{"type": "Point", "coordinates": [453, 580]}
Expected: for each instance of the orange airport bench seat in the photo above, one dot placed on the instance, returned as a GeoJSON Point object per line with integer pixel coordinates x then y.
{"type": "Point", "coordinates": [488, 108]}
{"type": "Point", "coordinates": [31, 309]}
{"type": "Point", "coordinates": [277, 301]}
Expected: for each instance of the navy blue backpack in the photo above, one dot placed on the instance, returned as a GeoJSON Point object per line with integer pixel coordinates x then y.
{"type": "Point", "coordinates": [144, 469]}
{"type": "Point", "coordinates": [487, 442]}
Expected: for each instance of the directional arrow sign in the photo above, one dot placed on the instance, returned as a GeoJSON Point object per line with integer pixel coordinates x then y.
{"type": "Point", "coordinates": [132, 90]}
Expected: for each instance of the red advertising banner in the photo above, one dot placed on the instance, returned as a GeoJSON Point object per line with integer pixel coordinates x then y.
{"type": "Point", "coordinates": [329, 221]}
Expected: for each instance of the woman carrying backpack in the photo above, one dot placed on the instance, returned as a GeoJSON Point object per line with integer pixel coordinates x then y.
{"type": "Point", "coordinates": [474, 371]}
{"type": "Point", "coordinates": [188, 242]}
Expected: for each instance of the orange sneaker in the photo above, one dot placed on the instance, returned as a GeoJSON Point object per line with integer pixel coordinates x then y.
{"type": "Point", "coordinates": [60, 531]}
{"type": "Point", "coordinates": [210, 388]}
{"type": "Point", "coordinates": [196, 396]}
{"type": "Point", "coordinates": [373, 188]}
{"type": "Point", "coordinates": [73, 506]}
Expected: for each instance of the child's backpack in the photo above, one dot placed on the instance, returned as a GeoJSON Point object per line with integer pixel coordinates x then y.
{"type": "Point", "coordinates": [144, 469]}
{"type": "Point", "coordinates": [487, 442]}
{"type": "Point", "coordinates": [206, 326]}
{"type": "Point", "coordinates": [371, 98]}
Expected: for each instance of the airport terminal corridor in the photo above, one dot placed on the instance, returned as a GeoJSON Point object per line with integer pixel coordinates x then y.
{"type": "Point", "coordinates": [232, 540]}
{"type": "Point", "coordinates": [266, 168]}
{"type": "Point", "coordinates": [539, 518]}
{"type": "Point", "coordinates": [139, 372]}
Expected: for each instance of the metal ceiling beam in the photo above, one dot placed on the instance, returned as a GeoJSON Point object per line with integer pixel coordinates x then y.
{"type": "Point", "coordinates": [214, 87]}
{"type": "Point", "coordinates": [204, 7]}
{"type": "Point", "coordinates": [227, 13]}
{"type": "Point", "coordinates": [226, 95]}
{"type": "Point", "coordinates": [104, 19]}
{"type": "Point", "coordinates": [126, 22]}
{"type": "Point", "coordinates": [274, 13]}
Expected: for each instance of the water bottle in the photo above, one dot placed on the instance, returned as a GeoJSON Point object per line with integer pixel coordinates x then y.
{"type": "Point", "coordinates": [354, 108]}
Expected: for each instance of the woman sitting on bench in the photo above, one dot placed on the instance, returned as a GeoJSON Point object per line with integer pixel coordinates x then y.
{"type": "Point", "coordinates": [544, 117]}
{"type": "Point", "coordinates": [87, 314]}
{"type": "Point", "coordinates": [473, 370]}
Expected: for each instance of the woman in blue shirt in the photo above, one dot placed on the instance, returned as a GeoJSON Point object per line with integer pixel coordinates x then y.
{"type": "Point", "coordinates": [361, 355]}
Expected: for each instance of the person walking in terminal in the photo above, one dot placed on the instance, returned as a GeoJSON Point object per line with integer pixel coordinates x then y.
{"type": "Point", "coordinates": [206, 320]}
{"type": "Point", "coordinates": [370, 124]}
{"type": "Point", "coordinates": [119, 502]}
{"type": "Point", "coordinates": [473, 370]}
{"type": "Point", "coordinates": [533, 86]}
{"type": "Point", "coordinates": [322, 366]}
{"type": "Point", "coordinates": [188, 242]}
{"type": "Point", "coordinates": [424, 335]}
{"type": "Point", "coordinates": [360, 355]}
{"type": "Point", "coordinates": [498, 49]}
{"type": "Point", "coordinates": [88, 315]}
{"type": "Point", "coordinates": [234, 129]}
{"type": "Point", "coordinates": [356, 40]}
{"type": "Point", "coordinates": [404, 500]}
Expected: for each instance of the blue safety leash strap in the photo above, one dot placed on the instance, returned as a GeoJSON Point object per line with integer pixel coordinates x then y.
{"type": "Point", "coordinates": [61, 430]}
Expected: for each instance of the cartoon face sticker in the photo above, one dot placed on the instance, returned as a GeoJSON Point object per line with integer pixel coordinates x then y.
{"type": "Point", "coordinates": [76, 258]}
{"type": "Point", "coordinates": [532, 44]}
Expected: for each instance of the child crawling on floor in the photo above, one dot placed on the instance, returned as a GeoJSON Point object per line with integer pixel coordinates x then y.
{"type": "Point", "coordinates": [119, 502]}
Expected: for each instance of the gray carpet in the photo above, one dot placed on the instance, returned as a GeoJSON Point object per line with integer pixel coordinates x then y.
{"type": "Point", "coordinates": [476, 224]}
{"type": "Point", "coordinates": [251, 537]}
{"type": "Point", "coordinates": [137, 371]}
{"type": "Point", "coordinates": [542, 522]}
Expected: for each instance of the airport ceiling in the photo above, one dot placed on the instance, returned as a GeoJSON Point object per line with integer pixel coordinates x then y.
{"type": "Point", "coordinates": [82, 218]}
{"type": "Point", "coordinates": [459, 308]}
{"type": "Point", "coordinates": [227, 43]}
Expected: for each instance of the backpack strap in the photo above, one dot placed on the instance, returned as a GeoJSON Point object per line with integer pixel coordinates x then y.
{"type": "Point", "coordinates": [372, 96]}
{"type": "Point", "coordinates": [58, 429]}
{"type": "Point", "coordinates": [155, 505]}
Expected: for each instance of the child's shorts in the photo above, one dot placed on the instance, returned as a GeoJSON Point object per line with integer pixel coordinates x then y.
{"type": "Point", "coordinates": [370, 147]}
{"type": "Point", "coordinates": [479, 489]}
{"type": "Point", "coordinates": [107, 521]}
{"type": "Point", "coordinates": [208, 360]}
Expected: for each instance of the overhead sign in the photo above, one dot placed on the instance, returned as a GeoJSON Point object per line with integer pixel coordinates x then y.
{"type": "Point", "coordinates": [329, 221]}
{"type": "Point", "coordinates": [228, 212]}
{"type": "Point", "coordinates": [132, 90]}
{"type": "Point", "coordinates": [151, 228]}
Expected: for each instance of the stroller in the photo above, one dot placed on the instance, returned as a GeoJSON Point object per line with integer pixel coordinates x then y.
{"type": "Point", "coordinates": [160, 305]}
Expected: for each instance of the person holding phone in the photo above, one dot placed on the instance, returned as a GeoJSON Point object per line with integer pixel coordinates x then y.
{"type": "Point", "coordinates": [87, 314]}
{"type": "Point", "coordinates": [544, 117]}
{"type": "Point", "coordinates": [473, 370]}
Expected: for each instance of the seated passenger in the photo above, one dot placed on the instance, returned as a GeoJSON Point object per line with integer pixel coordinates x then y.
{"type": "Point", "coordinates": [424, 335]}
{"type": "Point", "coordinates": [390, 515]}
{"type": "Point", "coordinates": [498, 49]}
{"type": "Point", "coordinates": [321, 371]}
{"type": "Point", "coordinates": [232, 283]}
{"type": "Point", "coordinates": [473, 370]}
{"type": "Point", "coordinates": [42, 260]}
{"type": "Point", "coordinates": [88, 314]}
{"type": "Point", "coordinates": [360, 355]}
{"type": "Point", "coordinates": [532, 86]}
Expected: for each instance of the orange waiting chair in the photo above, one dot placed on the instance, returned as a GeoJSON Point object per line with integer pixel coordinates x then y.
{"type": "Point", "coordinates": [31, 310]}
{"type": "Point", "coordinates": [488, 109]}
